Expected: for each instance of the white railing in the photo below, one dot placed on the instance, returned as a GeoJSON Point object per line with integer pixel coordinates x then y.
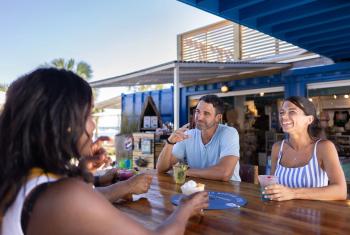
{"type": "Point", "coordinates": [227, 41]}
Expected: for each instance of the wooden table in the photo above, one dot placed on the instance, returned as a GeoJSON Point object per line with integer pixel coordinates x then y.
{"type": "Point", "coordinates": [257, 217]}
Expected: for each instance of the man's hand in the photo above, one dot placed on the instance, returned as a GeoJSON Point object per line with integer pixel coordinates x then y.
{"type": "Point", "coordinates": [179, 134]}
{"type": "Point", "coordinates": [140, 183]}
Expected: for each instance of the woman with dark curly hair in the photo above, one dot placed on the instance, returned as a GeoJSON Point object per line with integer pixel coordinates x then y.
{"type": "Point", "coordinates": [45, 124]}
{"type": "Point", "coordinates": [307, 167]}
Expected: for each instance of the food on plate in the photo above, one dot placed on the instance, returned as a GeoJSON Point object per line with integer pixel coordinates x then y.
{"type": "Point", "coordinates": [191, 187]}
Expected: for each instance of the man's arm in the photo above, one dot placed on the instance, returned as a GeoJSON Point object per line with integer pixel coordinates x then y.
{"type": "Point", "coordinates": [221, 171]}
{"type": "Point", "coordinates": [166, 159]}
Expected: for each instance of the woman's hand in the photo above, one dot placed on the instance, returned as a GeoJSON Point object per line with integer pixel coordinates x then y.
{"type": "Point", "coordinates": [108, 177]}
{"type": "Point", "coordinates": [98, 158]}
{"type": "Point", "coordinates": [140, 183]}
{"type": "Point", "coordinates": [195, 202]}
{"type": "Point", "coordinates": [278, 192]}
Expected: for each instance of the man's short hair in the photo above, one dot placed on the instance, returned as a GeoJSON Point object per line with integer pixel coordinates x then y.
{"type": "Point", "coordinates": [217, 103]}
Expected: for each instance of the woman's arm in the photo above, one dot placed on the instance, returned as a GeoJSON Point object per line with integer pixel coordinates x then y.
{"type": "Point", "coordinates": [137, 184]}
{"type": "Point", "coordinates": [72, 207]}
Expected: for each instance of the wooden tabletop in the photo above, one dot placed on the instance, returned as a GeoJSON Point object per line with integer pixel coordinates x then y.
{"type": "Point", "coordinates": [257, 217]}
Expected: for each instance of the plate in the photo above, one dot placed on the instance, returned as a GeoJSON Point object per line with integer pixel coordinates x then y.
{"type": "Point", "coordinates": [218, 200]}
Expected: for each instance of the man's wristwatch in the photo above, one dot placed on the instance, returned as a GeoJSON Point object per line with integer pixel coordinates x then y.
{"type": "Point", "coordinates": [171, 143]}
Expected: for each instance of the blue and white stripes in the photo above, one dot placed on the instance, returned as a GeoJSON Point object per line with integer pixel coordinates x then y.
{"type": "Point", "coordinates": [308, 176]}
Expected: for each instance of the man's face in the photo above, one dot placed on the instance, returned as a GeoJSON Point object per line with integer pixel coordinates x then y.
{"type": "Point", "coordinates": [205, 116]}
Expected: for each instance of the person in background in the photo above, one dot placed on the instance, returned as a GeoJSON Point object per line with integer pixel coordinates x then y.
{"type": "Point", "coordinates": [308, 167]}
{"type": "Point", "coordinates": [211, 149]}
{"type": "Point", "coordinates": [46, 123]}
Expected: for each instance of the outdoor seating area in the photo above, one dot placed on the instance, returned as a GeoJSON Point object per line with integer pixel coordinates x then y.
{"type": "Point", "coordinates": [245, 131]}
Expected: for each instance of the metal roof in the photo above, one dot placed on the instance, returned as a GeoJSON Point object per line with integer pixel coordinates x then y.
{"type": "Point", "coordinates": [320, 26]}
{"type": "Point", "coordinates": [112, 103]}
{"type": "Point", "coordinates": [192, 72]}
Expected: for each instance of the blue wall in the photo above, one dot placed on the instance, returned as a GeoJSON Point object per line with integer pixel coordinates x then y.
{"type": "Point", "coordinates": [294, 81]}
{"type": "Point", "coordinates": [132, 104]}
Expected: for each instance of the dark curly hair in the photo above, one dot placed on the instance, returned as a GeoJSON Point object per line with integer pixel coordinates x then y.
{"type": "Point", "coordinates": [309, 109]}
{"type": "Point", "coordinates": [42, 120]}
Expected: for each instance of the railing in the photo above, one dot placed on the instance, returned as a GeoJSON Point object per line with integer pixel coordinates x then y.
{"type": "Point", "coordinates": [227, 41]}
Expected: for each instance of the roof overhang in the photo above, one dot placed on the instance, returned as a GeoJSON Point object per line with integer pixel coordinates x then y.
{"type": "Point", "coordinates": [112, 103]}
{"type": "Point", "coordinates": [193, 73]}
{"type": "Point", "coordinates": [322, 27]}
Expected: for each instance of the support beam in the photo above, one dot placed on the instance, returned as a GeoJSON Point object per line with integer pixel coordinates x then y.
{"type": "Point", "coordinates": [176, 96]}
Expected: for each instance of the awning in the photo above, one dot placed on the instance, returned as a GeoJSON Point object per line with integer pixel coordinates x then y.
{"type": "Point", "coordinates": [112, 103]}
{"type": "Point", "coordinates": [192, 73]}
{"type": "Point", "coordinates": [186, 73]}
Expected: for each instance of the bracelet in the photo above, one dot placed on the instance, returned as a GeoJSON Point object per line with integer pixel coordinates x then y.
{"type": "Point", "coordinates": [171, 143]}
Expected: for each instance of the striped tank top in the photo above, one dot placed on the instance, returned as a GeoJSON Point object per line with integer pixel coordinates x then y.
{"type": "Point", "coordinates": [308, 176]}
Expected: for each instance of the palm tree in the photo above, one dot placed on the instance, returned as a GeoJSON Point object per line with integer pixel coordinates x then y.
{"type": "Point", "coordinates": [83, 69]}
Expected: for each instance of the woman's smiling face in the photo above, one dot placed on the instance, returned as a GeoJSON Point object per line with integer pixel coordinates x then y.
{"type": "Point", "coordinates": [291, 118]}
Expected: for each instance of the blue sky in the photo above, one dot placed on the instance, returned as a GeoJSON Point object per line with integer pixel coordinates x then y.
{"type": "Point", "coordinates": [113, 36]}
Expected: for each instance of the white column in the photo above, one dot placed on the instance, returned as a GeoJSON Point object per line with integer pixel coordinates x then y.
{"type": "Point", "coordinates": [176, 96]}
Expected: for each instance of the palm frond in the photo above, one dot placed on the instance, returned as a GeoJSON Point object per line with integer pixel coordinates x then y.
{"type": "Point", "coordinates": [70, 64]}
{"type": "Point", "coordinates": [58, 63]}
{"type": "Point", "coordinates": [84, 70]}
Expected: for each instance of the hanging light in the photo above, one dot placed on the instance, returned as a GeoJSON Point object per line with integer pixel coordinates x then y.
{"type": "Point", "coordinates": [310, 99]}
{"type": "Point", "coordinates": [262, 94]}
{"type": "Point", "coordinates": [346, 96]}
{"type": "Point", "coordinates": [334, 96]}
{"type": "Point", "coordinates": [224, 89]}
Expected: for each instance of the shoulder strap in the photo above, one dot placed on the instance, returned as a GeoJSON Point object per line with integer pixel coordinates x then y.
{"type": "Point", "coordinates": [280, 152]}
{"type": "Point", "coordinates": [29, 204]}
{"type": "Point", "coordinates": [315, 147]}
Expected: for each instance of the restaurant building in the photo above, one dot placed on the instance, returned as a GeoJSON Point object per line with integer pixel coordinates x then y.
{"type": "Point", "coordinates": [253, 72]}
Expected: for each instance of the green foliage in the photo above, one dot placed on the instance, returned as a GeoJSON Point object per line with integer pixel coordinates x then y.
{"type": "Point", "coordinates": [82, 68]}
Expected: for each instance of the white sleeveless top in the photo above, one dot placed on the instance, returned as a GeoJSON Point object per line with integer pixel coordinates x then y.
{"type": "Point", "coordinates": [11, 224]}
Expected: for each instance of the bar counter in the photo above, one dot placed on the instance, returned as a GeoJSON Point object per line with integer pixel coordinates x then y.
{"type": "Point", "coordinates": [256, 217]}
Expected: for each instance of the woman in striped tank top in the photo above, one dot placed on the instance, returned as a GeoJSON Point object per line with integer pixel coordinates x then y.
{"type": "Point", "coordinates": [307, 167]}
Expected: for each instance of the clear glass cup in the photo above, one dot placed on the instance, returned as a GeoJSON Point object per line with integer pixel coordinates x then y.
{"type": "Point", "coordinates": [266, 180]}
{"type": "Point", "coordinates": [179, 173]}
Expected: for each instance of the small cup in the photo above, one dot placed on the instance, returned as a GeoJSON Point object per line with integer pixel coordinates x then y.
{"type": "Point", "coordinates": [179, 174]}
{"type": "Point", "coordinates": [266, 180]}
